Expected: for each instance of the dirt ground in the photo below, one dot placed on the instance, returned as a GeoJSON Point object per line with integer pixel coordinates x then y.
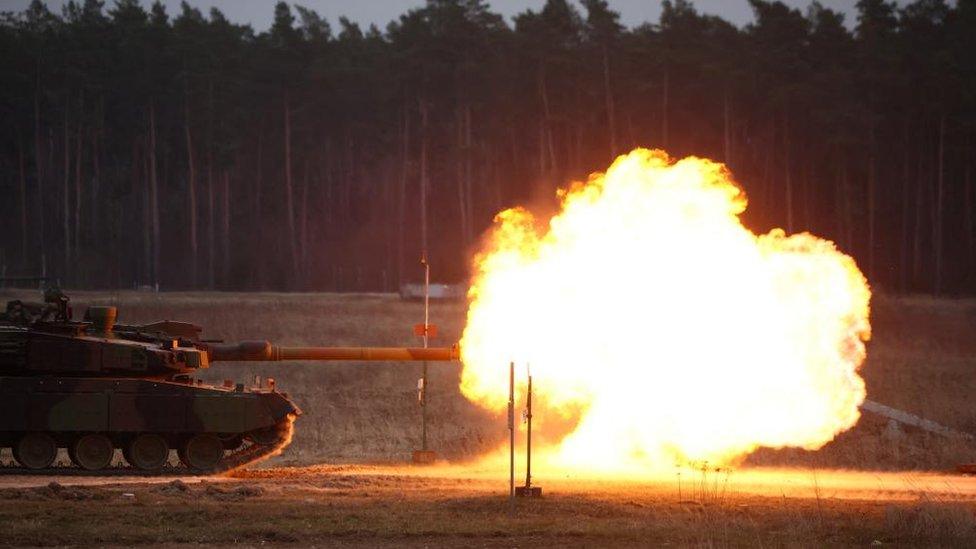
{"type": "Point", "coordinates": [384, 506]}
{"type": "Point", "coordinates": [323, 490]}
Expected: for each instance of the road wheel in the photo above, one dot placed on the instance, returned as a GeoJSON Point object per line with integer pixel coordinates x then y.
{"type": "Point", "coordinates": [265, 437]}
{"type": "Point", "coordinates": [148, 452]}
{"type": "Point", "coordinates": [231, 442]}
{"type": "Point", "coordinates": [92, 452]}
{"type": "Point", "coordinates": [35, 450]}
{"type": "Point", "coordinates": [202, 452]}
{"type": "Point", "coordinates": [276, 435]}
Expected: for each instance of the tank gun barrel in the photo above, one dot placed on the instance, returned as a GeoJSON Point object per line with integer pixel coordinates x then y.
{"type": "Point", "coordinates": [368, 353]}
{"type": "Point", "coordinates": [266, 352]}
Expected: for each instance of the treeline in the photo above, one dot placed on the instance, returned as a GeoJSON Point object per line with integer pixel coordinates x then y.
{"type": "Point", "coordinates": [186, 151]}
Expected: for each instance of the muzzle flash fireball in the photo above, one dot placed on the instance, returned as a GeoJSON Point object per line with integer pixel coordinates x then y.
{"type": "Point", "coordinates": [659, 328]}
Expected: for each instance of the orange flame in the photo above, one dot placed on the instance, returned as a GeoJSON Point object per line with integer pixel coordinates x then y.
{"type": "Point", "coordinates": [658, 328]}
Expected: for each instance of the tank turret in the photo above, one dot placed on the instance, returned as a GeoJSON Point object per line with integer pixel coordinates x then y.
{"type": "Point", "coordinates": [95, 385]}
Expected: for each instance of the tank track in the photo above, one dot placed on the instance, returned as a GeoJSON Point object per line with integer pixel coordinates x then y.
{"type": "Point", "coordinates": [249, 454]}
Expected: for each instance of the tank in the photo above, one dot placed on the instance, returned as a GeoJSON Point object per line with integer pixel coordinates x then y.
{"type": "Point", "coordinates": [94, 386]}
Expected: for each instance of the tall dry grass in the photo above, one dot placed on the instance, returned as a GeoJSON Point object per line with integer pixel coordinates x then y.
{"type": "Point", "coordinates": [932, 521]}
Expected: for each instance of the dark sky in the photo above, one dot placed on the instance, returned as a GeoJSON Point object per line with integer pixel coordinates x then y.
{"type": "Point", "coordinates": [633, 12]}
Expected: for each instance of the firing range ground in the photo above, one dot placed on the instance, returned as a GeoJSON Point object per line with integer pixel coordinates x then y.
{"type": "Point", "coordinates": [454, 506]}
{"type": "Point", "coordinates": [791, 483]}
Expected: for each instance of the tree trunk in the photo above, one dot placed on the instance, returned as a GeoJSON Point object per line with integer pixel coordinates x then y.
{"type": "Point", "coordinates": [23, 201]}
{"type": "Point", "coordinates": [289, 199]}
{"type": "Point", "coordinates": [838, 209]}
{"type": "Point", "coordinates": [968, 199]}
{"type": "Point", "coordinates": [919, 213]}
{"type": "Point", "coordinates": [79, 141]}
{"type": "Point", "coordinates": [66, 195]}
{"type": "Point", "coordinates": [93, 205]}
{"type": "Point", "coordinates": [154, 194]}
{"type": "Point", "coordinates": [906, 199]}
{"type": "Point", "coordinates": [787, 168]}
{"type": "Point", "coordinates": [191, 190]}
{"type": "Point", "coordinates": [805, 185]}
{"type": "Point", "coordinates": [211, 221]}
{"type": "Point", "coordinates": [402, 191]}
{"type": "Point", "coordinates": [872, 203]}
{"type": "Point", "coordinates": [577, 155]}
{"type": "Point", "coordinates": [303, 226]}
{"type": "Point", "coordinates": [225, 229]}
{"type": "Point", "coordinates": [665, 97]}
{"type": "Point", "coordinates": [547, 122]}
{"type": "Point", "coordinates": [937, 221]}
{"type": "Point", "coordinates": [142, 183]}
{"type": "Point", "coordinates": [93, 222]}
{"type": "Point", "coordinates": [726, 129]}
{"type": "Point", "coordinates": [346, 181]}
{"type": "Point", "coordinates": [211, 227]}
{"type": "Point", "coordinates": [390, 211]}
{"type": "Point", "coordinates": [767, 174]}
{"type": "Point", "coordinates": [39, 167]}
{"type": "Point", "coordinates": [498, 181]}
{"type": "Point", "coordinates": [631, 133]}
{"type": "Point", "coordinates": [258, 213]}
{"type": "Point", "coordinates": [259, 180]}
{"type": "Point", "coordinates": [424, 182]}
{"type": "Point", "coordinates": [848, 209]}
{"type": "Point", "coordinates": [329, 205]}
{"type": "Point", "coordinates": [460, 151]}
{"type": "Point", "coordinates": [468, 184]}
{"type": "Point", "coordinates": [463, 174]}
{"type": "Point", "coordinates": [542, 148]}
{"type": "Point", "coordinates": [608, 94]}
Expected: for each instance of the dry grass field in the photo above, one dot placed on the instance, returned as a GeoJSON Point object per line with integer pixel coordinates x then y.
{"type": "Point", "coordinates": [921, 360]}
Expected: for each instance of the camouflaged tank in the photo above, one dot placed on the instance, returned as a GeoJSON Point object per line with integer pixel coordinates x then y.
{"type": "Point", "coordinates": [94, 386]}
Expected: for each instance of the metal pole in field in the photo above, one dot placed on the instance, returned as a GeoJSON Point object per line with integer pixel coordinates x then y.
{"type": "Point", "coordinates": [423, 397]}
{"type": "Point", "coordinates": [511, 437]}
{"type": "Point", "coordinates": [528, 490]}
{"type": "Point", "coordinates": [528, 435]}
{"type": "Point", "coordinates": [426, 331]}
{"type": "Point", "coordinates": [423, 410]}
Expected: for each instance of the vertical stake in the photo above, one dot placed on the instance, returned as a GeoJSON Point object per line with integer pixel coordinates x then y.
{"type": "Point", "coordinates": [528, 433]}
{"type": "Point", "coordinates": [423, 396]}
{"type": "Point", "coordinates": [423, 410]}
{"type": "Point", "coordinates": [511, 437]}
{"type": "Point", "coordinates": [528, 491]}
{"type": "Point", "coordinates": [424, 454]}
